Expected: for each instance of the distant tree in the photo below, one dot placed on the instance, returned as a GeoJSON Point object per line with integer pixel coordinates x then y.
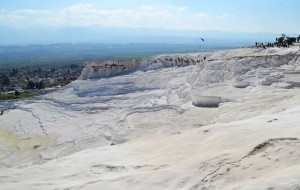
{"type": "Point", "coordinates": [17, 93]}
{"type": "Point", "coordinates": [291, 40]}
{"type": "Point", "coordinates": [280, 40]}
{"type": "Point", "coordinates": [5, 80]}
{"type": "Point", "coordinates": [40, 85]}
{"type": "Point", "coordinates": [13, 72]}
{"type": "Point", "coordinates": [36, 85]}
{"type": "Point", "coordinates": [30, 85]}
{"type": "Point", "coordinates": [74, 66]}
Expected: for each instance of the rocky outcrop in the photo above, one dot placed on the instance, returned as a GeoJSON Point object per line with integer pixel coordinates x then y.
{"type": "Point", "coordinates": [111, 68]}
{"type": "Point", "coordinates": [245, 67]}
{"type": "Point", "coordinates": [104, 69]}
{"type": "Point", "coordinates": [206, 101]}
{"type": "Point", "coordinates": [239, 82]}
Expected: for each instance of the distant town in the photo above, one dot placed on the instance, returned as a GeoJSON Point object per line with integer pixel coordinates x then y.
{"type": "Point", "coordinates": [29, 81]}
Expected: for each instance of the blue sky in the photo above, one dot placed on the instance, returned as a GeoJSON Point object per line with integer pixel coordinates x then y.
{"type": "Point", "coordinates": [275, 16]}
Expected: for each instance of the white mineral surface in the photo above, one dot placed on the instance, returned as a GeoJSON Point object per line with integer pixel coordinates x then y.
{"type": "Point", "coordinates": [218, 120]}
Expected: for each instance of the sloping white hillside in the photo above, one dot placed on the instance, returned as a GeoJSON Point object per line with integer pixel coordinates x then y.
{"type": "Point", "coordinates": [217, 120]}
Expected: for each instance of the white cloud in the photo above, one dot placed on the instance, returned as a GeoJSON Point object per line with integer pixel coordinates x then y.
{"type": "Point", "coordinates": [77, 9]}
{"type": "Point", "coordinates": [159, 14]}
{"type": "Point", "coordinates": [181, 9]}
{"type": "Point", "coordinates": [147, 8]}
{"type": "Point", "coordinates": [89, 9]}
{"type": "Point", "coordinates": [202, 16]}
{"type": "Point", "coordinates": [170, 7]}
{"type": "Point", "coordinates": [31, 11]}
{"type": "Point", "coordinates": [10, 17]}
{"type": "Point", "coordinates": [86, 14]}
{"type": "Point", "coordinates": [112, 12]}
{"type": "Point", "coordinates": [224, 16]}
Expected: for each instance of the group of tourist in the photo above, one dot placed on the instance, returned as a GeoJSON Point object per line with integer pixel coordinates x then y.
{"type": "Point", "coordinates": [283, 44]}
{"type": "Point", "coordinates": [257, 44]}
{"type": "Point", "coordinates": [276, 44]}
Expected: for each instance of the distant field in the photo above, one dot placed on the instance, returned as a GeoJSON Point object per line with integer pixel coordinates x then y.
{"type": "Point", "coordinates": [13, 96]}
{"type": "Point", "coordinates": [63, 54]}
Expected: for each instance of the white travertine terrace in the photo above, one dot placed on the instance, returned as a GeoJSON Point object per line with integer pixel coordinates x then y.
{"type": "Point", "coordinates": [218, 120]}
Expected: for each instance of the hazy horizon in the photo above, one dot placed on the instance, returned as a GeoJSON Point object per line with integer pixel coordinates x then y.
{"type": "Point", "coordinates": [132, 21]}
{"type": "Point", "coordinates": [96, 34]}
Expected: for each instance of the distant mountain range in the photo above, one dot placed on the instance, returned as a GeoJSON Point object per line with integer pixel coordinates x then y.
{"type": "Point", "coordinates": [49, 35]}
{"type": "Point", "coordinates": [78, 53]}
